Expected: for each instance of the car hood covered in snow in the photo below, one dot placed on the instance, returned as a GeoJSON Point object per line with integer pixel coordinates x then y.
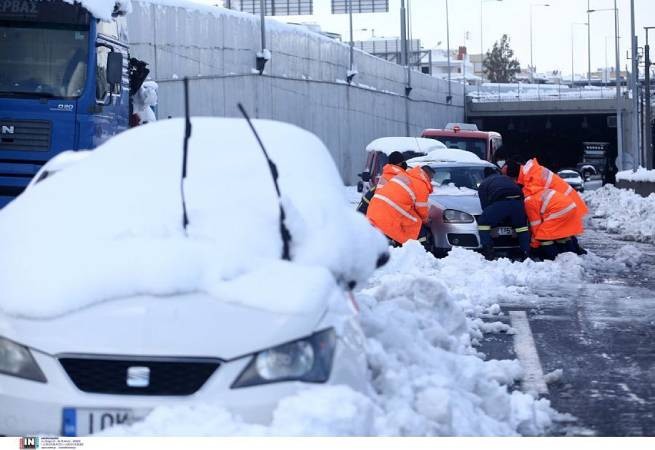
{"type": "Point", "coordinates": [465, 200]}
{"type": "Point", "coordinates": [110, 227]}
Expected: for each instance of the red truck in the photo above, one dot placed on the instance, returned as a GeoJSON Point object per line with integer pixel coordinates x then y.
{"type": "Point", "coordinates": [466, 136]}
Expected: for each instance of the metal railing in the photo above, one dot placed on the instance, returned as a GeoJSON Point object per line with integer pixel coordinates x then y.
{"type": "Point", "coordinates": [530, 93]}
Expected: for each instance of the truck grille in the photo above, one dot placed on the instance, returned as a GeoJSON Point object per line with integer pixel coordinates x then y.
{"type": "Point", "coordinates": [25, 134]}
{"type": "Point", "coordinates": [167, 376]}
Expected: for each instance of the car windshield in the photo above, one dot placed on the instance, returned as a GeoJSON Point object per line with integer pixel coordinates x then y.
{"type": "Point", "coordinates": [43, 61]}
{"type": "Point", "coordinates": [476, 146]}
{"type": "Point", "coordinates": [462, 177]}
{"type": "Point", "coordinates": [568, 175]}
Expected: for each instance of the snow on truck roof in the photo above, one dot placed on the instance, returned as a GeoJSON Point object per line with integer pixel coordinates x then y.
{"type": "Point", "coordinates": [114, 223]}
{"type": "Point", "coordinates": [388, 145]}
{"type": "Point", "coordinates": [446, 155]}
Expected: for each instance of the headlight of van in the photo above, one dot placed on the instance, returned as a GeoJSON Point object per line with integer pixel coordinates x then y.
{"type": "Point", "coordinates": [454, 216]}
{"type": "Point", "coordinates": [308, 359]}
{"type": "Point", "coordinates": [16, 360]}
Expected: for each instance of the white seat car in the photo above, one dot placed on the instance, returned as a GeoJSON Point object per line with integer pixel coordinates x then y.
{"type": "Point", "coordinates": [455, 205]}
{"type": "Point", "coordinates": [573, 178]}
{"type": "Point", "coordinates": [110, 307]}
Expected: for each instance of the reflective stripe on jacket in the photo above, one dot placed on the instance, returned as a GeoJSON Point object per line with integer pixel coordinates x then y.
{"type": "Point", "coordinates": [552, 215]}
{"type": "Point", "coordinates": [400, 206]}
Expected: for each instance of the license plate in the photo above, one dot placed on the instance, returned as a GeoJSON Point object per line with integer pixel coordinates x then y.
{"type": "Point", "coordinates": [504, 231]}
{"type": "Point", "coordinates": [86, 421]}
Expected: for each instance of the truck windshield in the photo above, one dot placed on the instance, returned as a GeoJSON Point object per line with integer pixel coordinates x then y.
{"type": "Point", "coordinates": [477, 146]}
{"type": "Point", "coordinates": [43, 61]}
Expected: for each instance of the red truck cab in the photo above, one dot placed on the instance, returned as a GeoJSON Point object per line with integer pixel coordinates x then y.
{"type": "Point", "coordinates": [466, 136]}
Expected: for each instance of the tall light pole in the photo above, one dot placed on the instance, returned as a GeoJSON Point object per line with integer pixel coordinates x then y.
{"type": "Point", "coordinates": [449, 99]}
{"type": "Point", "coordinates": [532, 5]}
{"type": "Point", "coordinates": [648, 111]}
{"type": "Point", "coordinates": [572, 49]}
{"type": "Point", "coordinates": [588, 43]}
{"type": "Point", "coordinates": [482, 2]}
{"type": "Point", "coordinates": [617, 70]}
{"type": "Point", "coordinates": [634, 82]}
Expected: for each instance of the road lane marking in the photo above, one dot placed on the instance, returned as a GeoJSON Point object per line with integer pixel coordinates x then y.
{"type": "Point", "coordinates": [526, 351]}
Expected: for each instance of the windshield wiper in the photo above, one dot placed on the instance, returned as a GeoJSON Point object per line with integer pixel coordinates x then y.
{"type": "Point", "coordinates": [28, 94]}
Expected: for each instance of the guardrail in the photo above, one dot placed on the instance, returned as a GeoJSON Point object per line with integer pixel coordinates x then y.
{"type": "Point", "coordinates": [537, 93]}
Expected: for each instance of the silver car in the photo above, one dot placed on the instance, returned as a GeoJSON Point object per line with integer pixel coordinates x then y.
{"type": "Point", "coordinates": [455, 206]}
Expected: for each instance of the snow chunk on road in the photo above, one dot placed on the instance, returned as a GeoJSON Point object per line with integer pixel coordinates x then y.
{"type": "Point", "coordinates": [622, 212]}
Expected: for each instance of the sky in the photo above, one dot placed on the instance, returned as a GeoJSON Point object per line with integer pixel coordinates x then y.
{"type": "Point", "coordinates": [552, 25]}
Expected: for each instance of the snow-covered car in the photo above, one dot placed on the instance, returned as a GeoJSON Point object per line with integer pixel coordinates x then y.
{"type": "Point", "coordinates": [111, 307]}
{"type": "Point", "coordinates": [378, 155]}
{"type": "Point", "coordinates": [587, 171]}
{"type": "Point", "coordinates": [455, 205]}
{"type": "Point", "coordinates": [58, 163]}
{"type": "Point", "coordinates": [573, 178]}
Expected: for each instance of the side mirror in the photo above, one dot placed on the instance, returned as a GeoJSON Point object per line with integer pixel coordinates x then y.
{"type": "Point", "coordinates": [114, 68]}
{"type": "Point", "coordinates": [360, 187]}
{"type": "Point", "coordinates": [365, 176]}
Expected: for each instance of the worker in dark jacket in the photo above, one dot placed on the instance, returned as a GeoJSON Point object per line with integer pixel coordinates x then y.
{"type": "Point", "coordinates": [502, 204]}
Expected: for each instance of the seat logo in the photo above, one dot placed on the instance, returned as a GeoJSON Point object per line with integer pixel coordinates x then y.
{"type": "Point", "coordinates": [8, 129]}
{"type": "Point", "coordinates": [138, 376]}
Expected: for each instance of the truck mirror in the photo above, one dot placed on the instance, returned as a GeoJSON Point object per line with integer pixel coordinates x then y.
{"type": "Point", "coordinates": [114, 68]}
{"type": "Point", "coordinates": [365, 176]}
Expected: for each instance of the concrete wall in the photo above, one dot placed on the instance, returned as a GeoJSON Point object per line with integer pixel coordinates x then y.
{"type": "Point", "coordinates": [643, 188]}
{"type": "Point", "coordinates": [302, 84]}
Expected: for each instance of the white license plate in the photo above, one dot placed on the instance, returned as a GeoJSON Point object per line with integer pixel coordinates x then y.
{"type": "Point", "coordinates": [86, 421]}
{"type": "Point", "coordinates": [504, 231]}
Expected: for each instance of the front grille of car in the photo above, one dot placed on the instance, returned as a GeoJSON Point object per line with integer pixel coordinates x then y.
{"type": "Point", "coordinates": [25, 134]}
{"type": "Point", "coordinates": [462, 240]}
{"type": "Point", "coordinates": [178, 376]}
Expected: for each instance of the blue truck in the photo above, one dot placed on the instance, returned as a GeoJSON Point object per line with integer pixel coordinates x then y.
{"type": "Point", "coordinates": [64, 85]}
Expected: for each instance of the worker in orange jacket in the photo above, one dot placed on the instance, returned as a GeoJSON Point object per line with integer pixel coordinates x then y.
{"type": "Point", "coordinates": [534, 174]}
{"type": "Point", "coordinates": [396, 165]}
{"type": "Point", "coordinates": [400, 207]}
{"type": "Point", "coordinates": [553, 219]}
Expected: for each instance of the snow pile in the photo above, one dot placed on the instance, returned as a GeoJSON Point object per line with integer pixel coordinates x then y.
{"type": "Point", "coordinates": [623, 212]}
{"type": "Point", "coordinates": [420, 316]}
{"type": "Point", "coordinates": [110, 226]}
{"type": "Point", "coordinates": [104, 9]}
{"type": "Point", "coordinates": [640, 174]}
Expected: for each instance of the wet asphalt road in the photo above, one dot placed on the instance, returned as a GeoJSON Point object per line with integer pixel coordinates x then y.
{"type": "Point", "coordinates": [601, 332]}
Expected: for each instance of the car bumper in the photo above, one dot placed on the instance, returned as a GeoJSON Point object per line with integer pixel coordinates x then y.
{"type": "Point", "coordinates": [465, 235]}
{"type": "Point", "coordinates": [33, 408]}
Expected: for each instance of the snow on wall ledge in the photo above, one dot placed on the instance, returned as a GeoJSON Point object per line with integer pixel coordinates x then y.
{"type": "Point", "coordinates": [302, 82]}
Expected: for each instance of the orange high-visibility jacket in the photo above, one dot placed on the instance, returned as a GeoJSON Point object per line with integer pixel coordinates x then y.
{"type": "Point", "coordinates": [534, 173]}
{"type": "Point", "coordinates": [400, 207]}
{"type": "Point", "coordinates": [551, 215]}
{"type": "Point", "coordinates": [388, 172]}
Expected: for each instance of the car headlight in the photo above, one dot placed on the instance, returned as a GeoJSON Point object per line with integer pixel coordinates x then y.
{"type": "Point", "coordinates": [454, 216]}
{"type": "Point", "coordinates": [308, 359]}
{"type": "Point", "coordinates": [16, 360]}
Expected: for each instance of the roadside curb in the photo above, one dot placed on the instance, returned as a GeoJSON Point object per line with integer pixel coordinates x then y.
{"type": "Point", "coordinates": [643, 188]}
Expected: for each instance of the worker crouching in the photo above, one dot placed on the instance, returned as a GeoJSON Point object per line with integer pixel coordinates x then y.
{"type": "Point", "coordinates": [502, 204]}
{"type": "Point", "coordinates": [400, 207]}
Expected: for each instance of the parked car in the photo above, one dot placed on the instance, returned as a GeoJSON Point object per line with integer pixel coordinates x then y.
{"type": "Point", "coordinates": [573, 178]}
{"type": "Point", "coordinates": [587, 171]}
{"type": "Point", "coordinates": [378, 154]}
{"type": "Point", "coordinates": [110, 307]}
{"type": "Point", "coordinates": [455, 205]}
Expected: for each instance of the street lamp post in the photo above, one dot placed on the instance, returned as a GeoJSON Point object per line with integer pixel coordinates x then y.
{"type": "Point", "coordinates": [532, 5]}
{"type": "Point", "coordinates": [449, 99]}
{"type": "Point", "coordinates": [648, 129]}
{"type": "Point", "coordinates": [617, 70]}
{"type": "Point", "coordinates": [572, 49]}
{"type": "Point", "coordinates": [482, 2]}
{"type": "Point", "coordinates": [588, 43]}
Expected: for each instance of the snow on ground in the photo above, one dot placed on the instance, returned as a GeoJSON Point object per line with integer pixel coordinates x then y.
{"type": "Point", "coordinates": [421, 317]}
{"type": "Point", "coordinates": [640, 174]}
{"type": "Point", "coordinates": [622, 212]}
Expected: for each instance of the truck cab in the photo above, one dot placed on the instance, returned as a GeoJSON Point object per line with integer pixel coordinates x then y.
{"type": "Point", "coordinates": [64, 85]}
{"type": "Point", "coordinates": [466, 136]}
